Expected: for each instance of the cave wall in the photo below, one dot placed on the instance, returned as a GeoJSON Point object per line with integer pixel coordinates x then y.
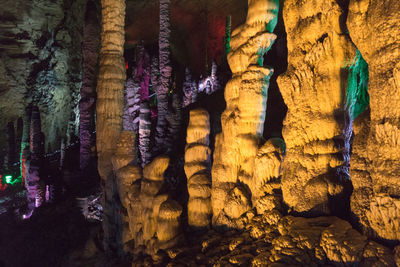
{"type": "Point", "coordinates": [39, 63]}
{"type": "Point", "coordinates": [374, 28]}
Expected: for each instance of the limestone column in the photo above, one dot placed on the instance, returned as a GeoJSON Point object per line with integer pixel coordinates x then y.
{"type": "Point", "coordinates": [109, 107]}
{"type": "Point", "coordinates": [237, 146]}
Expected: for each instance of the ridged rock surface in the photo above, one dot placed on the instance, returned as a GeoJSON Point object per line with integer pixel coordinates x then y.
{"type": "Point", "coordinates": [374, 27]}
{"type": "Point", "coordinates": [198, 168]}
{"type": "Point", "coordinates": [236, 147]}
{"type": "Point", "coordinates": [39, 62]}
{"type": "Point", "coordinates": [271, 240]}
{"type": "Point", "coordinates": [313, 88]}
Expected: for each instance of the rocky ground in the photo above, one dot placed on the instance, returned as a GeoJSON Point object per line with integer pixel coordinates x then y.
{"type": "Point", "coordinates": [272, 240]}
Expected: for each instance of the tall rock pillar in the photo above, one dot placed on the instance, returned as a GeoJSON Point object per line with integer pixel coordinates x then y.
{"type": "Point", "coordinates": [242, 122]}
{"type": "Point", "coordinates": [110, 105]}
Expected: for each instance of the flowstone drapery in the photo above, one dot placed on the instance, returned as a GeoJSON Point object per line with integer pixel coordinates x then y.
{"type": "Point", "coordinates": [314, 89]}
{"type": "Point", "coordinates": [375, 163]}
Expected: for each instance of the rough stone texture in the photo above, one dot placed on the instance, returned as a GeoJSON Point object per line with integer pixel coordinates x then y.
{"type": "Point", "coordinates": [87, 103]}
{"type": "Point", "coordinates": [236, 147]}
{"type": "Point", "coordinates": [198, 168]}
{"type": "Point", "coordinates": [273, 240]}
{"type": "Point", "coordinates": [127, 172]}
{"type": "Point", "coordinates": [109, 108]}
{"type": "Point", "coordinates": [144, 133]}
{"type": "Point", "coordinates": [165, 68]}
{"type": "Point", "coordinates": [38, 44]}
{"type": "Point", "coordinates": [313, 89]}
{"type": "Point", "coordinates": [374, 28]}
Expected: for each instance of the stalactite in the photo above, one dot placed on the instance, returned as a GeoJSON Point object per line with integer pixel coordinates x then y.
{"type": "Point", "coordinates": [110, 104]}
{"type": "Point", "coordinates": [187, 88]}
{"type": "Point", "coordinates": [90, 53]}
{"type": "Point", "coordinates": [198, 169]}
{"type": "Point", "coordinates": [144, 133]}
{"type": "Point", "coordinates": [165, 75]}
{"type": "Point", "coordinates": [132, 106]}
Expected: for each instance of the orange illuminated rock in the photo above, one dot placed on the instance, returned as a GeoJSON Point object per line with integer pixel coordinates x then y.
{"type": "Point", "coordinates": [236, 148]}
{"type": "Point", "coordinates": [314, 88]}
{"type": "Point", "coordinates": [375, 163]}
{"type": "Point", "coordinates": [198, 168]}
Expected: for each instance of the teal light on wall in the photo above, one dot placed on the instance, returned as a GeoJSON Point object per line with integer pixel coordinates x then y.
{"type": "Point", "coordinates": [357, 97]}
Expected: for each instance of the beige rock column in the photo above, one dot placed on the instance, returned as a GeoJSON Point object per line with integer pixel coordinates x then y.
{"type": "Point", "coordinates": [242, 122]}
{"type": "Point", "coordinates": [127, 173]}
{"type": "Point", "coordinates": [198, 168]}
{"type": "Point", "coordinates": [374, 27]}
{"type": "Point", "coordinates": [314, 88]}
{"type": "Point", "coordinates": [110, 101]}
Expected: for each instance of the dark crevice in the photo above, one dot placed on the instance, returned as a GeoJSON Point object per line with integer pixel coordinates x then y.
{"type": "Point", "coordinates": [277, 58]}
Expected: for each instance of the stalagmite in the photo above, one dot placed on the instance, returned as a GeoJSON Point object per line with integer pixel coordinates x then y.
{"type": "Point", "coordinates": [174, 119]}
{"type": "Point", "coordinates": [374, 27]}
{"type": "Point", "coordinates": [25, 151]}
{"type": "Point", "coordinates": [34, 184]}
{"type": "Point", "coordinates": [198, 169]}
{"type": "Point", "coordinates": [90, 53]}
{"type": "Point", "coordinates": [132, 106]}
{"type": "Point", "coordinates": [313, 88]}
{"type": "Point", "coordinates": [236, 147]}
{"type": "Point", "coordinates": [12, 156]}
{"type": "Point", "coordinates": [18, 138]}
{"type": "Point", "coordinates": [165, 75]}
{"type": "Point", "coordinates": [144, 133]}
{"type": "Point", "coordinates": [109, 107]}
{"type": "Point", "coordinates": [143, 72]}
{"type": "Point", "coordinates": [187, 88]}
{"type": "Point", "coordinates": [127, 172]}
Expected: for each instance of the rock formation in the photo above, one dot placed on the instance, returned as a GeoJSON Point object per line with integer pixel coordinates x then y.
{"type": "Point", "coordinates": [132, 106]}
{"type": "Point", "coordinates": [90, 54]}
{"type": "Point", "coordinates": [198, 169]}
{"type": "Point", "coordinates": [35, 186]}
{"type": "Point", "coordinates": [143, 71]}
{"type": "Point", "coordinates": [25, 150]}
{"type": "Point", "coordinates": [165, 68]}
{"type": "Point", "coordinates": [11, 153]}
{"type": "Point", "coordinates": [313, 89]}
{"type": "Point", "coordinates": [127, 172]}
{"type": "Point", "coordinates": [40, 62]}
{"type": "Point", "coordinates": [144, 133]}
{"type": "Point", "coordinates": [154, 218]}
{"type": "Point", "coordinates": [236, 148]}
{"type": "Point", "coordinates": [110, 104]}
{"type": "Point", "coordinates": [374, 28]}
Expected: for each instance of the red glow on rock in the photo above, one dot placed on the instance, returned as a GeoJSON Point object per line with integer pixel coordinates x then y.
{"type": "Point", "coordinates": [127, 65]}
